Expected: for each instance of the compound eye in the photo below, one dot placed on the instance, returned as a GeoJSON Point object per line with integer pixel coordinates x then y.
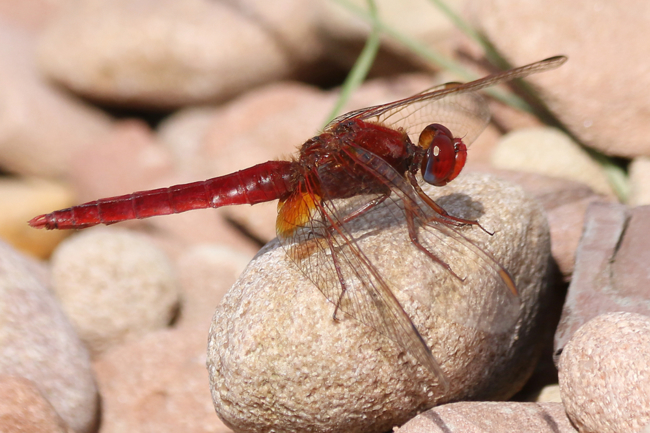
{"type": "Point", "coordinates": [445, 155]}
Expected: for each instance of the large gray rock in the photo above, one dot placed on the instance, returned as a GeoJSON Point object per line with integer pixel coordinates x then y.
{"type": "Point", "coordinates": [278, 360]}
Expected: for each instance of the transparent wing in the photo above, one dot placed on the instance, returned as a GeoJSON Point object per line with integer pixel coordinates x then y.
{"type": "Point", "coordinates": [357, 259]}
{"type": "Point", "coordinates": [495, 308]}
{"type": "Point", "coordinates": [455, 105]}
{"type": "Point", "coordinates": [326, 250]}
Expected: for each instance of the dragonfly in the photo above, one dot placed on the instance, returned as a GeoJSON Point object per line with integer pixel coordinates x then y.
{"type": "Point", "coordinates": [363, 162]}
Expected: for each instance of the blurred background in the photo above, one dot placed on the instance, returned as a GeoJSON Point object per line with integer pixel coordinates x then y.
{"type": "Point", "coordinates": [102, 98]}
{"type": "Point", "coordinates": [106, 97]}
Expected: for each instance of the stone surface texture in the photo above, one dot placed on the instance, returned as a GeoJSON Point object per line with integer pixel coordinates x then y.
{"type": "Point", "coordinates": [278, 360]}
{"type": "Point", "coordinates": [169, 54]}
{"type": "Point", "coordinates": [611, 271]}
{"type": "Point", "coordinates": [550, 152]}
{"type": "Point", "coordinates": [38, 343]}
{"type": "Point", "coordinates": [604, 104]}
{"type": "Point", "coordinates": [605, 374]}
{"type": "Point", "coordinates": [639, 171]}
{"type": "Point", "coordinates": [481, 417]}
{"type": "Point", "coordinates": [114, 284]}
{"type": "Point", "coordinates": [157, 383]}
{"type": "Point", "coordinates": [41, 127]}
{"type": "Point", "coordinates": [23, 408]}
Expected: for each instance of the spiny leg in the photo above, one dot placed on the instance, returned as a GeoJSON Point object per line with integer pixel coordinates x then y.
{"type": "Point", "coordinates": [362, 210]}
{"type": "Point", "coordinates": [335, 227]}
{"type": "Point", "coordinates": [413, 236]}
{"type": "Point", "coordinates": [440, 210]}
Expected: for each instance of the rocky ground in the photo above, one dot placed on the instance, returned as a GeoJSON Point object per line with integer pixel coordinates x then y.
{"type": "Point", "coordinates": [110, 329]}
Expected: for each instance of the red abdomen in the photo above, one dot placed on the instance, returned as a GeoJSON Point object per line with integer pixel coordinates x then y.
{"type": "Point", "coordinates": [263, 182]}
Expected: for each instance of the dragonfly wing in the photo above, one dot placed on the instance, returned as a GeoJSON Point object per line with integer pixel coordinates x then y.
{"type": "Point", "coordinates": [479, 294]}
{"type": "Point", "coordinates": [431, 106]}
{"type": "Point", "coordinates": [326, 249]}
{"type": "Point", "coordinates": [465, 114]}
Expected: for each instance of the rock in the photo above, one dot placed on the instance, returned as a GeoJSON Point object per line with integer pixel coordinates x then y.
{"type": "Point", "coordinates": [183, 132]}
{"type": "Point", "coordinates": [157, 383]}
{"type": "Point", "coordinates": [20, 200]}
{"type": "Point", "coordinates": [550, 152]}
{"type": "Point", "coordinates": [550, 394]}
{"type": "Point", "coordinates": [639, 181]}
{"type": "Point", "coordinates": [611, 268]}
{"type": "Point", "coordinates": [167, 54]}
{"type": "Point", "coordinates": [23, 408]}
{"type": "Point", "coordinates": [38, 343]}
{"type": "Point", "coordinates": [277, 358]}
{"type": "Point", "coordinates": [344, 33]}
{"type": "Point", "coordinates": [487, 416]}
{"type": "Point", "coordinates": [113, 284]}
{"type": "Point", "coordinates": [174, 234]}
{"type": "Point", "coordinates": [605, 374]}
{"type": "Point", "coordinates": [206, 272]}
{"type": "Point", "coordinates": [41, 127]}
{"type": "Point", "coordinates": [565, 203]}
{"type": "Point", "coordinates": [128, 159]}
{"type": "Point", "coordinates": [604, 104]}
{"type": "Point", "coordinates": [31, 15]}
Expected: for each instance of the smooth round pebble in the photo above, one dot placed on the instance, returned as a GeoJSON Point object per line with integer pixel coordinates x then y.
{"type": "Point", "coordinates": [38, 343]}
{"type": "Point", "coordinates": [168, 53]}
{"type": "Point", "coordinates": [551, 152]}
{"type": "Point", "coordinates": [605, 374]}
{"type": "Point", "coordinates": [23, 408]}
{"type": "Point", "coordinates": [278, 360]}
{"type": "Point", "coordinates": [114, 283]}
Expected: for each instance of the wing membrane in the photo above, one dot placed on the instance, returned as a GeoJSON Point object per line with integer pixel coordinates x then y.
{"type": "Point", "coordinates": [455, 105]}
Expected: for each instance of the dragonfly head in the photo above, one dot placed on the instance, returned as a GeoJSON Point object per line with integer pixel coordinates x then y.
{"type": "Point", "coordinates": [444, 156]}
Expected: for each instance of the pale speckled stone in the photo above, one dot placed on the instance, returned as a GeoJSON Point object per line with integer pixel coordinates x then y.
{"type": "Point", "coordinates": [639, 181]}
{"type": "Point", "coordinates": [278, 360]}
{"type": "Point", "coordinates": [491, 417]}
{"type": "Point", "coordinates": [113, 284]}
{"type": "Point", "coordinates": [37, 342]}
{"type": "Point", "coordinates": [551, 152]}
{"type": "Point", "coordinates": [605, 374]}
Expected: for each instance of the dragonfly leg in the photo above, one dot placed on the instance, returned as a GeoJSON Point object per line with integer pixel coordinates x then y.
{"type": "Point", "coordinates": [362, 210]}
{"type": "Point", "coordinates": [413, 235]}
{"type": "Point", "coordinates": [440, 210]}
{"type": "Point", "coordinates": [334, 227]}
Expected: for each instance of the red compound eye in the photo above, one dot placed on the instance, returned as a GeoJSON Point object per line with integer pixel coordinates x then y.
{"type": "Point", "coordinates": [445, 155]}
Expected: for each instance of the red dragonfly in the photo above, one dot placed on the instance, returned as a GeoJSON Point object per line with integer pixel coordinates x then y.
{"type": "Point", "coordinates": [362, 162]}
